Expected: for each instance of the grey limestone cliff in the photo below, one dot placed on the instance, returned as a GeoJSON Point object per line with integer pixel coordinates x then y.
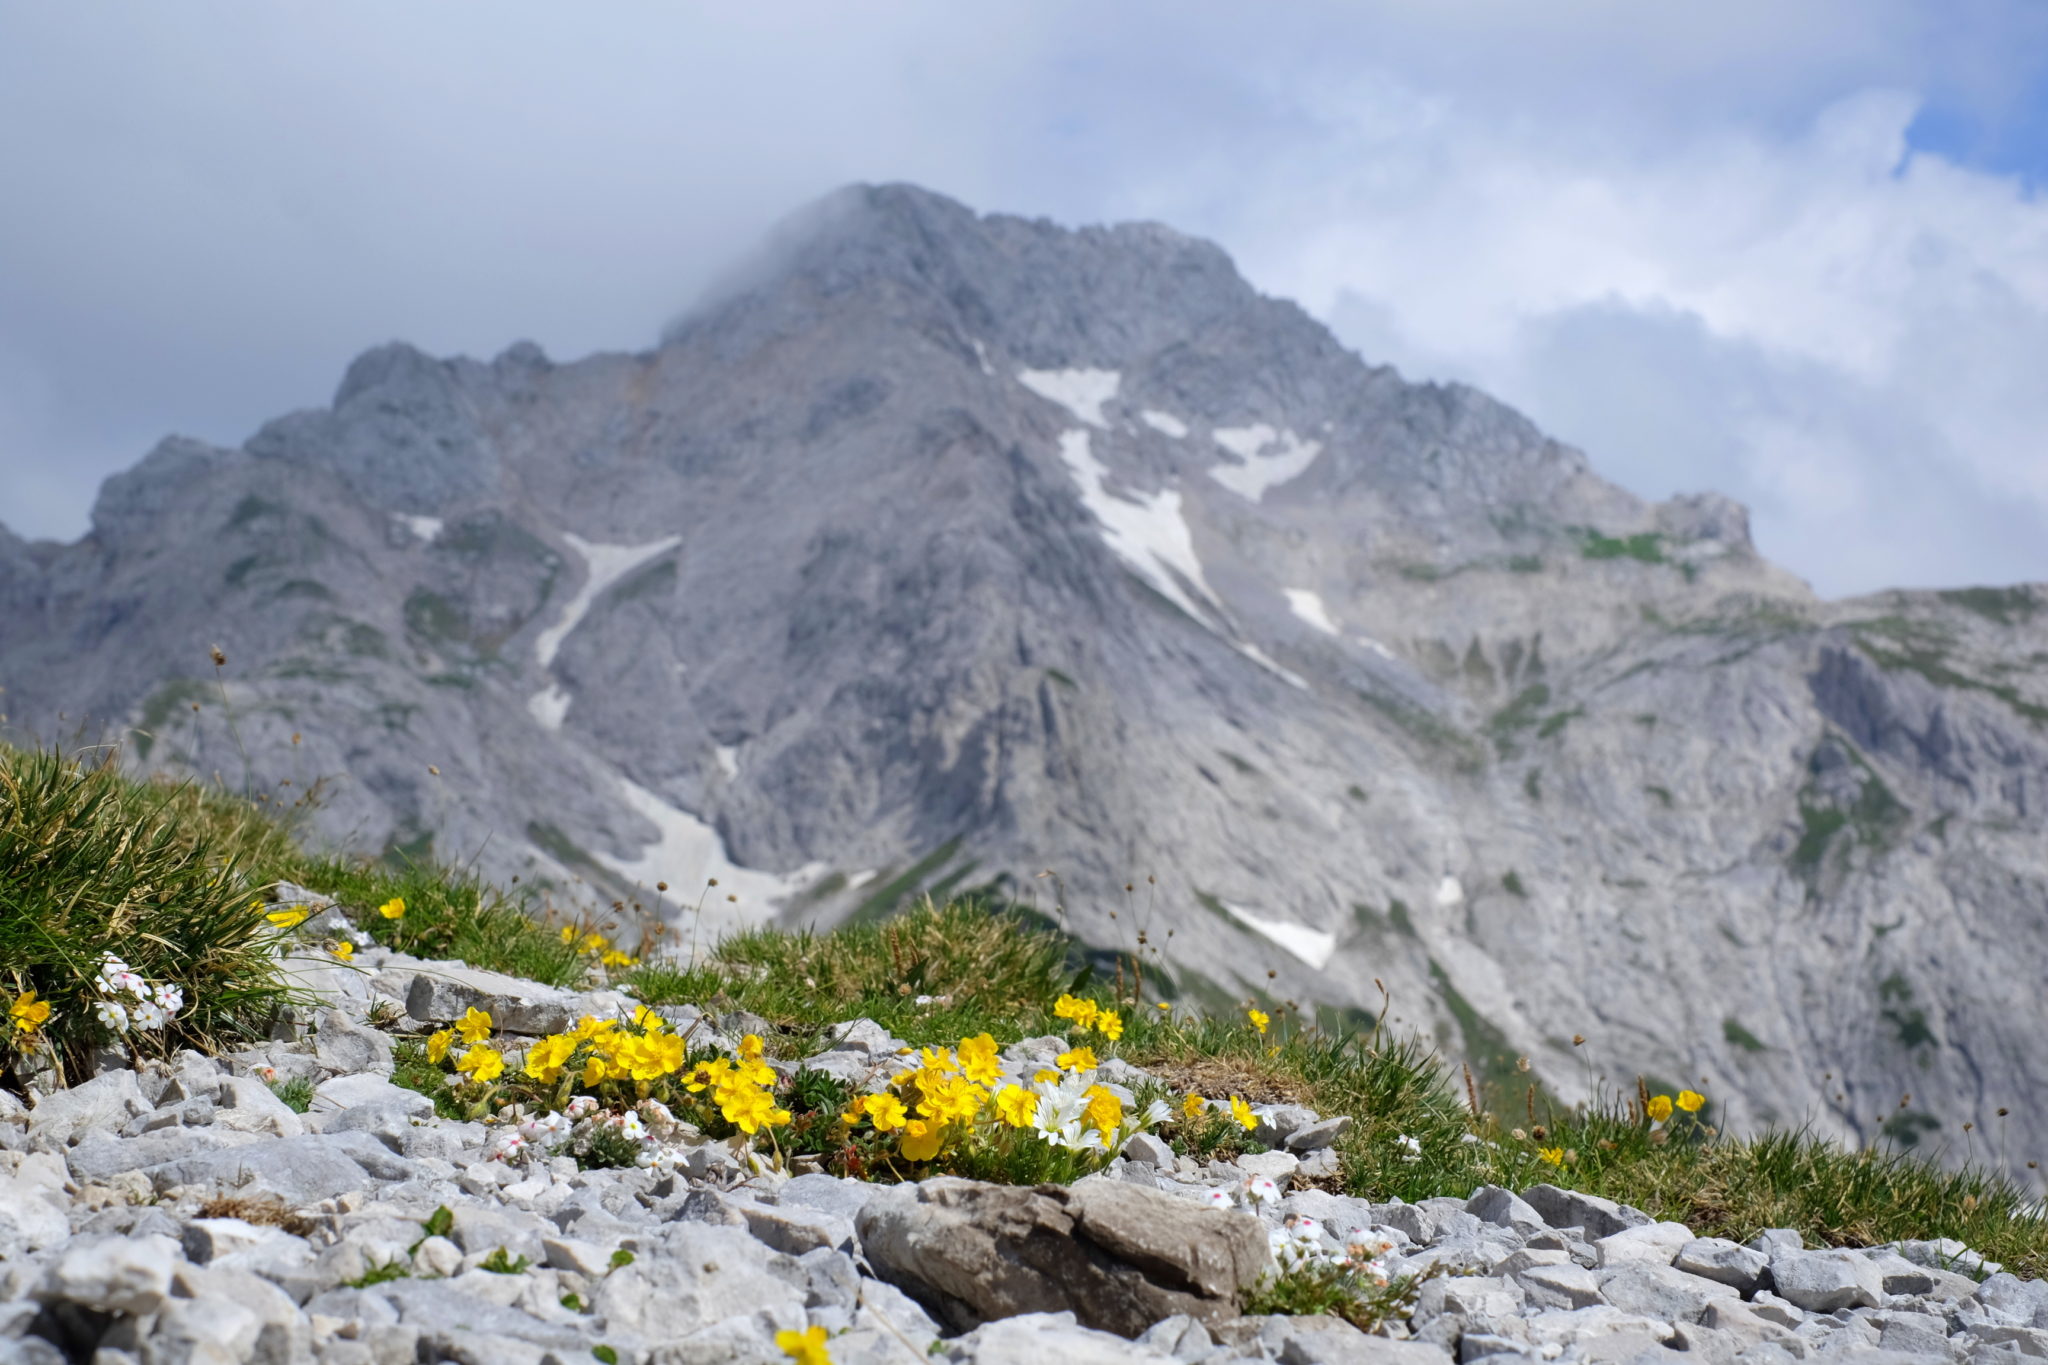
{"type": "Point", "coordinates": [937, 550]}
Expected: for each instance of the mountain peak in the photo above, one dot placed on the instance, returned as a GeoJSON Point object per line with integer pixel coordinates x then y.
{"type": "Point", "coordinates": [1050, 295]}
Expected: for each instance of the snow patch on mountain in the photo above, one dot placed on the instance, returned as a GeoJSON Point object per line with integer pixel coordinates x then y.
{"type": "Point", "coordinates": [1147, 533]}
{"type": "Point", "coordinates": [425, 528]}
{"type": "Point", "coordinates": [1313, 946]}
{"type": "Point", "coordinates": [1164, 422]}
{"type": "Point", "coordinates": [1081, 392]}
{"type": "Point", "coordinates": [1308, 605]}
{"type": "Point", "coordinates": [1450, 893]}
{"type": "Point", "coordinates": [728, 760]}
{"type": "Point", "coordinates": [1265, 661]}
{"type": "Point", "coordinates": [550, 707]}
{"type": "Point", "coordinates": [1290, 457]}
{"type": "Point", "coordinates": [604, 565]}
{"type": "Point", "coordinates": [686, 853]}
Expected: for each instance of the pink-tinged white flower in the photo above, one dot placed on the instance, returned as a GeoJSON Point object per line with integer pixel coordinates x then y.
{"type": "Point", "coordinates": [111, 1015]}
{"type": "Point", "coordinates": [169, 999]}
{"type": "Point", "coordinates": [1260, 1190]}
{"type": "Point", "coordinates": [580, 1106]}
{"type": "Point", "coordinates": [266, 1074]}
{"type": "Point", "coordinates": [630, 1127]}
{"type": "Point", "coordinates": [146, 1016]}
{"type": "Point", "coordinates": [1218, 1199]}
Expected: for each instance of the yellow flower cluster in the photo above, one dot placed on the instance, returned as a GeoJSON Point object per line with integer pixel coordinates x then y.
{"type": "Point", "coordinates": [28, 1014]}
{"type": "Point", "coordinates": [637, 1056]}
{"type": "Point", "coordinates": [1088, 1014]}
{"type": "Point", "coordinates": [743, 1088]}
{"type": "Point", "coordinates": [1660, 1106]}
{"type": "Point", "coordinates": [593, 944]}
{"type": "Point", "coordinates": [938, 1099]}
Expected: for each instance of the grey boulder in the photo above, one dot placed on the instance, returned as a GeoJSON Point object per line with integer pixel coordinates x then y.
{"type": "Point", "coordinates": [1119, 1256]}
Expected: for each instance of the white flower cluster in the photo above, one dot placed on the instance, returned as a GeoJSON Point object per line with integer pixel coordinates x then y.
{"type": "Point", "coordinates": [130, 1001]}
{"type": "Point", "coordinates": [572, 1132]}
{"type": "Point", "coordinates": [1062, 1119]}
{"type": "Point", "coordinates": [1303, 1241]}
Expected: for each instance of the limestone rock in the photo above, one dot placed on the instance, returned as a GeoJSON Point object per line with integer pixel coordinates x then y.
{"type": "Point", "coordinates": [1825, 1281]}
{"type": "Point", "coordinates": [1120, 1257]}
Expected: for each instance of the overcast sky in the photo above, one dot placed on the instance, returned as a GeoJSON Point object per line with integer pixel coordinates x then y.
{"type": "Point", "coordinates": [1797, 253]}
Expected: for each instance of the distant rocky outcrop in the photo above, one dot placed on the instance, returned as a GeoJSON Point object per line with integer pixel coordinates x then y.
{"type": "Point", "coordinates": [937, 550]}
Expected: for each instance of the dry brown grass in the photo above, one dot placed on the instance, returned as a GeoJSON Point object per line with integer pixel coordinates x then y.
{"type": "Point", "coordinates": [269, 1213]}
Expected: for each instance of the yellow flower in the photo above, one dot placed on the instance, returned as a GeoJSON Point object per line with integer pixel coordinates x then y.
{"type": "Point", "coordinates": [1105, 1110]}
{"type": "Point", "coordinates": [711, 1073]}
{"type": "Point", "coordinates": [886, 1111]}
{"type": "Point", "coordinates": [614, 959]}
{"type": "Point", "coordinates": [921, 1139]}
{"type": "Point", "coordinates": [750, 1109]}
{"type": "Point", "coordinates": [646, 1018]}
{"type": "Point", "coordinates": [546, 1058]}
{"type": "Point", "coordinates": [482, 1063]}
{"type": "Point", "coordinates": [343, 950]}
{"type": "Point", "coordinates": [1553, 1155]}
{"type": "Point", "coordinates": [29, 1013]}
{"type": "Point", "coordinates": [1660, 1108]}
{"type": "Point", "coordinates": [978, 1060]}
{"type": "Point", "coordinates": [595, 943]}
{"type": "Point", "coordinates": [1194, 1106]}
{"type": "Point", "coordinates": [568, 933]}
{"type": "Point", "coordinates": [596, 1071]}
{"type": "Point", "coordinates": [950, 1097]}
{"type": "Point", "coordinates": [393, 908]}
{"type": "Point", "coordinates": [1259, 1019]}
{"type": "Point", "coordinates": [290, 917]}
{"type": "Point", "coordinates": [1041, 1076]}
{"type": "Point", "coordinates": [1110, 1025]}
{"type": "Point", "coordinates": [806, 1347]}
{"type": "Point", "coordinates": [1016, 1106]}
{"type": "Point", "coordinates": [1242, 1112]}
{"type": "Point", "coordinates": [1690, 1101]}
{"type": "Point", "coordinates": [940, 1059]}
{"type": "Point", "coordinates": [590, 1026]}
{"type": "Point", "coordinates": [1165, 1005]}
{"type": "Point", "coordinates": [1082, 1012]}
{"type": "Point", "coordinates": [437, 1045]}
{"type": "Point", "coordinates": [751, 1047]}
{"type": "Point", "coordinates": [474, 1026]}
{"type": "Point", "coordinates": [1077, 1059]}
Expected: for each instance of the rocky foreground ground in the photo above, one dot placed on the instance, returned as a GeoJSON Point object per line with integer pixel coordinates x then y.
{"type": "Point", "coordinates": [180, 1211]}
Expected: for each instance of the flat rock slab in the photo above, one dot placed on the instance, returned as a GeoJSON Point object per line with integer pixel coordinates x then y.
{"type": "Point", "coordinates": [1119, 1256]}
{"type": "Point", "coordinates": [1827, 1281]}
{"type": "Point", "coordinates": [442, 992]}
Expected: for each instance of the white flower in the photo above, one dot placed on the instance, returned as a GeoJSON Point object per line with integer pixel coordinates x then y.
{"type": "Point", "coordinates": [136, 986]}
{"type": "Point", "coordinates": [169, 999]}
{"type": "Point", "coordinates": [147, 1016]}
{"type": "Point", "coordinates": [1218, 1199]}
{"type": "Point", "coordinates": [1259, 1190]}
{"type": "Point", "coordinates": [580, 1106]}
{"type": "Point", "coordinates": [630, 1127]}
{"type": "Point", "coordinates": [112, 1015]}
{"type": "Point", "coordinates": [1411, 1148]}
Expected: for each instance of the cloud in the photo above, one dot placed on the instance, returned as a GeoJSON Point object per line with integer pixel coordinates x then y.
{"type": "Point", "coordinates": [1699, 241]}
{"type": "Point", "coordinates": [1836, 329]}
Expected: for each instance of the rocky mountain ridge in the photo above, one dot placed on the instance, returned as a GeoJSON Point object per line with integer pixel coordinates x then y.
{"type": "Point", "coordinates": [938, 550]}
